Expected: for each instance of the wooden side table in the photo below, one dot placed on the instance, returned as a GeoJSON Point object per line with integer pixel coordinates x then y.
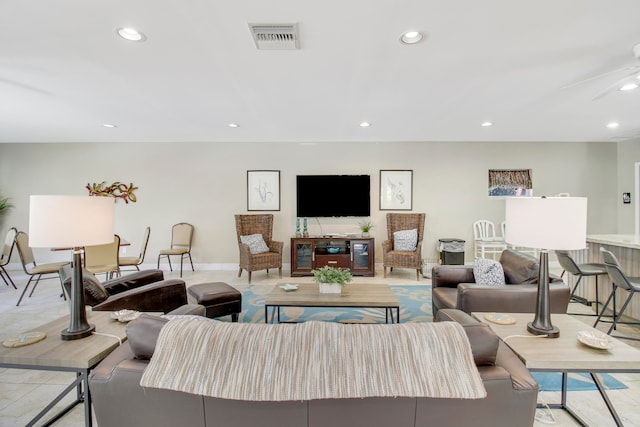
{"type": "Point", "coordinates": [79, 356]}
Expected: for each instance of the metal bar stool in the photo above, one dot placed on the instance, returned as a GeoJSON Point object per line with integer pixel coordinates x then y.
{"type": "Point", "coordinates": [581, 270]}
{"type": "Point", "coordinates": [619, 281]}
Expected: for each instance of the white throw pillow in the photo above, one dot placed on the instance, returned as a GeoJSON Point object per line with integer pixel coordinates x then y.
{"type": "Point", "coordinates": [488, 272]}
{"type": "Point", "coordinates": [256, 243]}
{"type": "Point", "coordinates": [405, 240]}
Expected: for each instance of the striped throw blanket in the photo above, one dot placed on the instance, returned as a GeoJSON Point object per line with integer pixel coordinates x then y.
{"type": "Point", "coordinates": [313, 360]}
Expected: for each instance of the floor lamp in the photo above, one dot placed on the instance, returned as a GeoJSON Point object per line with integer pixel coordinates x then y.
{"type": "Point", "coordinates": [546, 223]}
{"type": "Point", "coordinates": [72, 222]}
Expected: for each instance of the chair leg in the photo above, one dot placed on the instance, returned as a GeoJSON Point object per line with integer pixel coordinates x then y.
{"type": "Point", "coordinates": [7, 277]}
{"type": "Point", "coordinates": [240, 272]}
{"type": "Point", "coordinates": [573, 291]}
{"type": "Point", "coordinates": [24, 291]}
{"type": "Point", "coordinates": [418, 271]}
{"type": "Point", "coordinates": [280, 272]}
{"type": "Point", "coordinates": [385, 270]}
{"type": "Point", "coordinates": [191, 261]}
{"type": "Point", "coordinates": [617, 318]}
{"type": "Point", "coordinates": [606, 304]}
{"type": "Point", "coordinates": [181, 261]}
{"type": "Point", "coordinates": [35, 285]}
{"type": "Point", "coordinates": [249, 277]}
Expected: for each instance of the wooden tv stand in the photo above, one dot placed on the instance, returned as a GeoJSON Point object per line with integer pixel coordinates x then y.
{"type": "Point", "coordinates": [355, 253]}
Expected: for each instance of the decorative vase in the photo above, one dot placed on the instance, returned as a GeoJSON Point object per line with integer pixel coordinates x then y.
{"type": "Point", "coordinates": [365, 234]}
{"type": "Point", "coordinates": [298, 234]}
{"type": "Point", "coordinates": [330, 288]}
{"type": "Point", "coordinates": [305, 231]}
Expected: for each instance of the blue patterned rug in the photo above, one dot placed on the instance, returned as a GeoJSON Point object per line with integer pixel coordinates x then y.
{"type": "Point", "coordinates": [415, 306]}
{"type": "Point", "coordinates": [552, 381]}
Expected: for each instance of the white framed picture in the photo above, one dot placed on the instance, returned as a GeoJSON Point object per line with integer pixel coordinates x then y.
{"type": "Point", "coordinates": [263, 190]}
{"type": "Point", "coordinates": [396, 190]}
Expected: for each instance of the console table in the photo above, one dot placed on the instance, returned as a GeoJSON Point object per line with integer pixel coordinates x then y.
{"type": "Point", "coordinates": [356, 254]}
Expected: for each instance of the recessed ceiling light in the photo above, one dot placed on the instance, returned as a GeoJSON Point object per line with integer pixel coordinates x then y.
{"type": "Point", "coordinates": [629, 86]}
{"type": "Point", "coordinates": [131, 34]}
{"type": "Point", "coordinates": [411, 37]}
{"type": "Point", "coordinates": [233, 125]}
{"type": "Point", "coordinates": [486, 124]}
{"type": "Point", "coordinates": [108, 125]}
{"type": "Point", "coordinates": [365, 124]}
{"type": "Point", "coordinates": [613, 125]}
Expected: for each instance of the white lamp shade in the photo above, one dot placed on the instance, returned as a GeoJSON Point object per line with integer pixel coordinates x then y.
{"type": "Point", "coordinates": [546, 223]}
{"type": "Point", "coordinates": [70, 221]}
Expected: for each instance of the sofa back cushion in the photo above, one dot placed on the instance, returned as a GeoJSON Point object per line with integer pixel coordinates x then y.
{"type": "Point", "coordinates": [94, 292]}
{"type": "Point", "coordinates": [519, 267]}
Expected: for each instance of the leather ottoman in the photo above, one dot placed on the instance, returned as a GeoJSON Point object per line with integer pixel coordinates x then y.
{"type": "Point", "coordinates": [218, 298]}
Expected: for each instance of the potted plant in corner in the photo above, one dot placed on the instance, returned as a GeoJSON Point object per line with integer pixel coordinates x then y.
{"type": "Point", "coordinates": [331, 279]}
{"type": "Point", "coordinates": [366, 227]}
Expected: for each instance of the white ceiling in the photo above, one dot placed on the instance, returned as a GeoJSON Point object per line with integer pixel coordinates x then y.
{"type": "Point", "coordinates": [64, 72]}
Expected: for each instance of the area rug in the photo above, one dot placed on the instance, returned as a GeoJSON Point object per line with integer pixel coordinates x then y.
{"type": "Point", "coordinates": [415, 306]}
{"type": "Point", "coordinates": [552, 381]}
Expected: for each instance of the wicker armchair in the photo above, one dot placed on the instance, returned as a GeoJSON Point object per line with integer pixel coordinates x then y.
{"type": "Point", "coordinates": [403, 259]}
{"type": "Point", "coordinates": [247, 225]}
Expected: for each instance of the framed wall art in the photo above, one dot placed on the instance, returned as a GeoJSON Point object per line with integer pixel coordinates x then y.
{"type": "Point", "coordinates": [263, 190]}
{"type": "Point", "coordinates": [396, 190]}
{"type": "Point", "coordinates": [510, 182]}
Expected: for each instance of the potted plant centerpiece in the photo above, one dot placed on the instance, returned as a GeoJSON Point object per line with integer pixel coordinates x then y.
{"type": "Point", "coordinates": [366, 227]}
{"type": "Point", "coordinates": [331, 279]}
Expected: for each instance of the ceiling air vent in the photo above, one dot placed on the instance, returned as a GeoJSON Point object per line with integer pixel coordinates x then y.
{"type": "Point", "coordinates": [275, 36]}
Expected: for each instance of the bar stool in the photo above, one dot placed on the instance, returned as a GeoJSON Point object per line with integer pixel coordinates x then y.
{"type": "Point", "coordinates": [619, 280]}
{"type": "Point", "coordinates": [581, 270]}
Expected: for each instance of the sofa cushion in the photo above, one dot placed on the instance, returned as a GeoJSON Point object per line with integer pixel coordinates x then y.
{"type": "Point", "coordinates": [256, 243]}
{"type": "Point", "coordinates": [488, 272]}
{"type": "Point", "coordinates": [405, 240]}
{"type": "Point", "coordinates": [519, 267]}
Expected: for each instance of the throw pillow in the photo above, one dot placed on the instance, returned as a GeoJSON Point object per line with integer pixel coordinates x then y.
{"type": "Point", "coordinates": [488, 272]}
{"type": "Point", "coordinates": [256, 243]}
{"type": "Point", "coordinates": [405, 240]}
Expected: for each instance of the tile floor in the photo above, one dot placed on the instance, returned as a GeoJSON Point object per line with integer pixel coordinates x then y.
{"type": "Point", "coordinates": [24, 392]}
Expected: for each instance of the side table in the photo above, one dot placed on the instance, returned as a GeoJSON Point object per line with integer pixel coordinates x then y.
{"type": "Point", "coordinates": [79, 356]}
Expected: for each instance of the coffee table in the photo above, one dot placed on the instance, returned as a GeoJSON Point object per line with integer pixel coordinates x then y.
{"type": "Point", "coordinates": [79, 356]}
{"type": "Point", "coordinates": [352, 296]}
{"type": "Point", "coordinates": [565, 354]}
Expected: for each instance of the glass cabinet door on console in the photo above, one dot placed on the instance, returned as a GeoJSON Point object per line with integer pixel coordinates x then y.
{"type": "Point", "coordinates": [360, 259]}
{"type": "Point", "coordinates": [302, 256]}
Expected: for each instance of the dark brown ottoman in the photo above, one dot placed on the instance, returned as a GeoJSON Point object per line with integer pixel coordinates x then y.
{"type": "Point", "coordinates": [218, 298]}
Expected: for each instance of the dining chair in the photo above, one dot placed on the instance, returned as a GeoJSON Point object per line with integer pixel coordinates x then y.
{"type": "Point", "coordinates": [619, 280]}
{"type": "Point", "coordinates": [181, 237]}
{"type": "Point", "coordinates": [32, 268]}
{"type": "Point", "coordinates": [9, 243]}
{"type": "Point", "coordinates": [103, 258]}
{"type": "Point", "coordinates": [136, 261]}
{"type": "Point", "coordinates": [485, 240]}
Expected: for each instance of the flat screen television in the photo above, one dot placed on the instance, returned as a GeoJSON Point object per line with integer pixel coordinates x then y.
{"type": "Point", "coordinates": [333, 195]}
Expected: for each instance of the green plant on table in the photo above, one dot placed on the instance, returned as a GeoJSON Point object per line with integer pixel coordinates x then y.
{"type": "Point", "coordinates": [327, 274]}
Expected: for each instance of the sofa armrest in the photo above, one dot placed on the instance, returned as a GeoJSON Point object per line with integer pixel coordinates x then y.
{"type": "Point", "coordinates": [162, 296]}
{"type": "Point", "coordinates": [387, 246]}
{"type": "Point", "coordinates": [451, 275]}
{"type": "Point", "coordinates": [132, 281]}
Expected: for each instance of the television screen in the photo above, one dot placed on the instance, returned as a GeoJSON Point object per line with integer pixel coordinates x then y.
{"type": "Point", "coordinates": [333, 195]}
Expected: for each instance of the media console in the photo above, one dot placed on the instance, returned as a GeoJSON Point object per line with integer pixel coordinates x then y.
{"type": "Point", "coordinates": [356, 254]}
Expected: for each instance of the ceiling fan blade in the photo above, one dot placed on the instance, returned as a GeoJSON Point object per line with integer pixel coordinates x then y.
{"type": "Point", "coordinates": [633, 68]}
{"type": "Point", "coordinates": [616, 85]}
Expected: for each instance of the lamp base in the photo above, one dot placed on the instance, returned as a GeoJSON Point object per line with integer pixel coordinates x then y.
{"type": "Point", "coordinates": [550, 331]}
{"type": "Point", "coordinates": [67, 335]}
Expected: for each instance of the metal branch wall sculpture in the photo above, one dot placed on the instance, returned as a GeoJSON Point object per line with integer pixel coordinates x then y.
{"type": "Point", "coordinates": [118, 190]}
